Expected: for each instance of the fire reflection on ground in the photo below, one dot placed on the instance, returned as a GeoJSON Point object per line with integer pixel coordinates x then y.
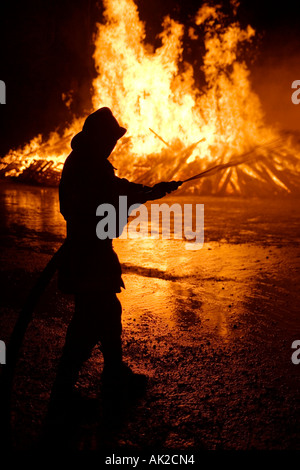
{"type": "Point", "coordinates": [215, 326]}
{"type": "Point", "coordinates": [248, 245]}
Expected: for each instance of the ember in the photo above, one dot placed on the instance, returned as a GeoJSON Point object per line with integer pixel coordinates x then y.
{"type": "Point", "coordinates": [175, 129]}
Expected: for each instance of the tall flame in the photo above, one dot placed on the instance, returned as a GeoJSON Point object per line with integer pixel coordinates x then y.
{"type": "Point", "coordinates": [174, 128]}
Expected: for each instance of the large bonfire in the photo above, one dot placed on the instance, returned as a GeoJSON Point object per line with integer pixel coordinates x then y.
{"type": "Point", "coordinates": [175, 129]}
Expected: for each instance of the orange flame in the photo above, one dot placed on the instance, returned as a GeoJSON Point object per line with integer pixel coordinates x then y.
{"type": "Point", "coordinates": [148, 90]}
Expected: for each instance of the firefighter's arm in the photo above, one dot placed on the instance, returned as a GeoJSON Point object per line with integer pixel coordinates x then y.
{"type": "Point", "coordinates": [160, 190]}
{"type": "Point", "coordinates": [141, 193]}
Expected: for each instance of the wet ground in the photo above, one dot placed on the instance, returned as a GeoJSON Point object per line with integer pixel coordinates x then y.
{"type": "Point", "coordinates": [212, 328]}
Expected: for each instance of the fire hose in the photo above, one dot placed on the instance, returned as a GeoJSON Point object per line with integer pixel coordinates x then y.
{"type": "Point", "coordinates": [242, 158]}
{"type": "Point", "coordinates": [15, 343]}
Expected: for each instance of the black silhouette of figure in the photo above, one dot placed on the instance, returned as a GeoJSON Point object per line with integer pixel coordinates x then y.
{"type": "Point", "coordinates": [90, 268]}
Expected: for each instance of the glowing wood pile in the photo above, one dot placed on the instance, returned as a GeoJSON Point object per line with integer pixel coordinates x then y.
{"type": "Point", "coordinates": [175, 129]}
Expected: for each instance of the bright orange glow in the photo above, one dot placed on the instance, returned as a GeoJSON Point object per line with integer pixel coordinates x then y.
{"type": "Point", "coordinates": [153, 89]}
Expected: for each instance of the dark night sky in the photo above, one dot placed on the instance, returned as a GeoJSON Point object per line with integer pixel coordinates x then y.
{"type": "Point", "coordinates": [46, 50]}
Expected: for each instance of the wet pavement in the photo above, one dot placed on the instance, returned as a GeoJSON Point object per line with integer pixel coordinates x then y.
{"type": "Point", "coordinates": [212, 328]}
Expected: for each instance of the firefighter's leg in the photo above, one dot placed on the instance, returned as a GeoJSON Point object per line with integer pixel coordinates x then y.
{"type": "Point", "coordinates": [116, 374]}
{"type": "Point", "coordinates": [82, 335]}
{"type": "Point", "coordinates": [111, 329]}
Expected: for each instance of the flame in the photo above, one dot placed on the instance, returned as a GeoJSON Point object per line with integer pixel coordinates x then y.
{"type": "Point", "coordinates": [175, 129]}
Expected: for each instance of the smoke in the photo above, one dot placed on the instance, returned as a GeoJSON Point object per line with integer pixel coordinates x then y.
{"type": "Point", "coordinates": [272, 74]}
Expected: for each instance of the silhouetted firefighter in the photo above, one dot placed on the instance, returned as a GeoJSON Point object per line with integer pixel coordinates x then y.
{"type": "Point", "coordinates": [90, 268]}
